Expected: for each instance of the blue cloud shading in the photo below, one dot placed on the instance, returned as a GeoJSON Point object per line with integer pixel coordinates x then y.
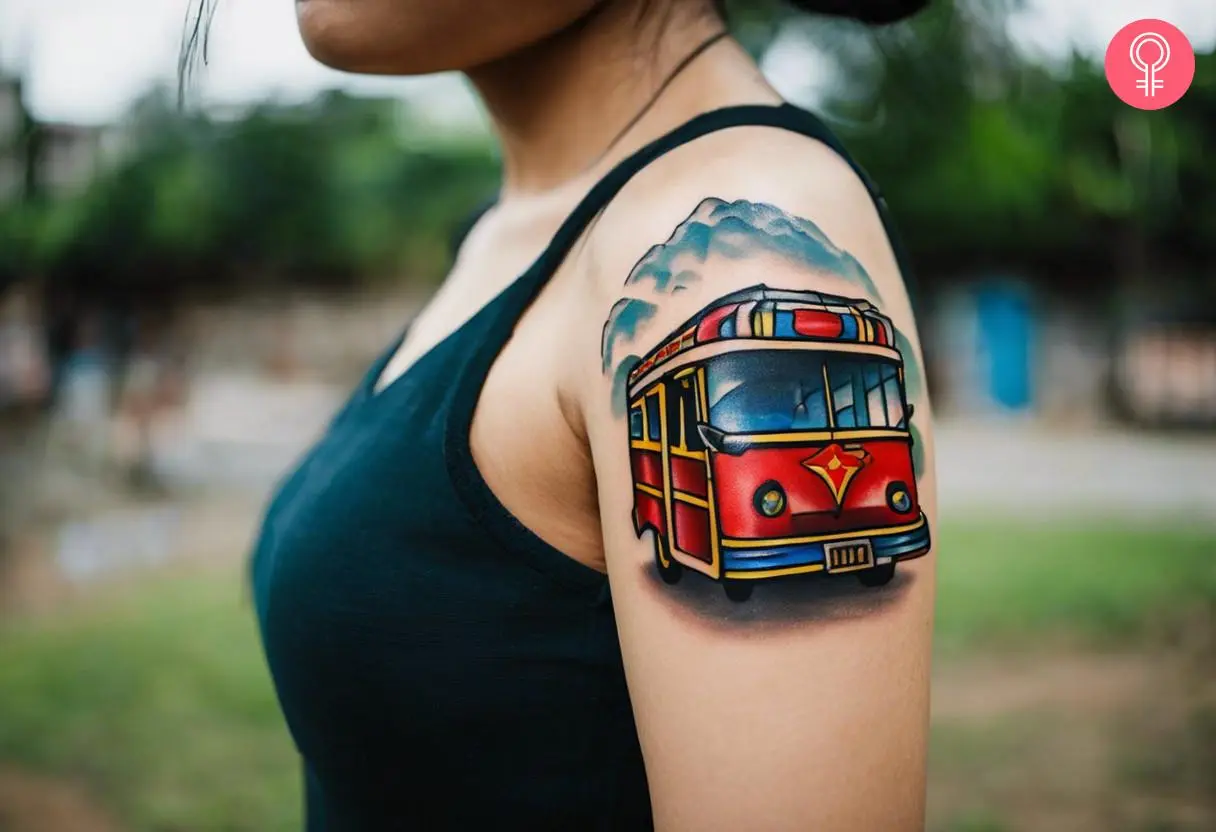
{"type": "Point", "coordinates": [620, 381]}
{"type": "Point", "coordinates": [741, 229]}
{"type": "Point", "coordinates": [626, 315]}
{"type": "Point", "coordinates": [913, 380]}
{"type": "Point", "coordinates": [918, 452]}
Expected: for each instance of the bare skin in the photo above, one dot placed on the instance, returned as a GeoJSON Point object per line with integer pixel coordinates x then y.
{"type": "Point", "coordinates": [802, 718]}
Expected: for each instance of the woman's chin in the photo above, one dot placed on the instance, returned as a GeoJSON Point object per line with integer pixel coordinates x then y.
{"type": "Point", "coordinates": [416, 37]}
{"type": "Point", "coordinates": [363, 36]}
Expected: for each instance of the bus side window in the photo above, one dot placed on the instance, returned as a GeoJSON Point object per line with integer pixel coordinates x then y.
{"type": "Point", "coordinates": [652, 418]}
{"type": "Point", "coordinates": [896, 417]}
{"type": "Point", "coordinates": [635, 422]}
{"type": "Point", "coordinates": [692, 438]}
{"type": "Point", "coordinates": [876, 405]}
{"type": "Point", "coordinates": [843, 403]}
{"type": "Point", "coordinates": [866, 394]}
{"type": "Point", "coordinates": [673, 415]}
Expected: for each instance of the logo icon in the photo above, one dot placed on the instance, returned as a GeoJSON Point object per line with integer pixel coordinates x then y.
{"type": "Point", "coordinates": [1151, 82]}
{"type": "Point", "coordinates": [1150, 64]}
{"type": "Point", "coordinates": [837, 466]}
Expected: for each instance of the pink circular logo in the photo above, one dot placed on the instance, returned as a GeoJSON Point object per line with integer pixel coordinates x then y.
{"type": "Point", "coordinates": [1150, 64]}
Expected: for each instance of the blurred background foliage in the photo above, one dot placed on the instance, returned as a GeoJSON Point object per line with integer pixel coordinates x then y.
{"type": "Point", "coordinates": [186, 314]}
{"type": "Point", "coordinates": [987, 158]}
{"type": "Point", "coordinates": [322, 192]}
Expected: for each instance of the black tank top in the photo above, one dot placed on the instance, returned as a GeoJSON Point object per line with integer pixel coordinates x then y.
{"type": "Point", "coordinates": [439, 666]}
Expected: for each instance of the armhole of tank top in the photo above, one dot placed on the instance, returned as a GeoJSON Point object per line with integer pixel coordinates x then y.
{"type": "Point", "coordinates": [820, 131]}
{"type": "Point", "coordinates": [480, 500]}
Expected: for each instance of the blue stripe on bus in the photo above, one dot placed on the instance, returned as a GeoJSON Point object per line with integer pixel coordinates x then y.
{"type": "Point", "coordinates": [848, 329]}
{"type": "Point", "coordinates": [802, 554]}
{"type": "Point", "coordinates": [783, 324]}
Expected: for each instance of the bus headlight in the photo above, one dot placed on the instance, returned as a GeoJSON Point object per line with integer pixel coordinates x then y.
{"type": "Point", "coordinates": [899, 498]}
{"type": "Point", "coordinates": [769, 499]}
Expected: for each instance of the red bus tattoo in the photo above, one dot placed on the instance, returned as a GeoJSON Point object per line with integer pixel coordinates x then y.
{"type": "Point", "coordinates": [770, 436]}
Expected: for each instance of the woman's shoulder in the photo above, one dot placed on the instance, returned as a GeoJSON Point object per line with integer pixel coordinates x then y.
{"type": "Point", "coordinates": [747, 177]}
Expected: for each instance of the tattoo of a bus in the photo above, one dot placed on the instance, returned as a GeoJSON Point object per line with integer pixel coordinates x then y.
{"type": "Point", "coordinates": [769, 436]}
{"type": "Point", "coordinates": [742, 232]}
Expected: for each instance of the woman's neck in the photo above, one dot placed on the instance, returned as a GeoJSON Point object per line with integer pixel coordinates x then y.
{"type": "Point", "coordinates": [558, 105]}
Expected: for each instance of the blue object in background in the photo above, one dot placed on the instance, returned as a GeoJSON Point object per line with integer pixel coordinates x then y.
{"type": "Point", "coordinates": [1006, 326]}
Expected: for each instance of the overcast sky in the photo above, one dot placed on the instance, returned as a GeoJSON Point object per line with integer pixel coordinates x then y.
{"type": "Point", "coordinates": [87, 59]}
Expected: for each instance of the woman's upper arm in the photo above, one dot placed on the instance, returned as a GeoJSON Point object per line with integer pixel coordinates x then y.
{"type": "Point", "coordinates": [758, 422]}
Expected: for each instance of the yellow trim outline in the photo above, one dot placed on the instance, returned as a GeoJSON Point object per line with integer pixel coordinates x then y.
{"type": "Point", "coordinates": [691, 499]}
{"type": "Point", "coordinates": [687, 454]}
{"type": "Point", "coordinates": [715, 534]}
{"type": "Point", "coordinates": [744, 574]}
{"type": "Point", "coordinates": [829, 398]}
{"type": "Point", "coordinates": [648, 489]}
{"type": "Point", "coordinates": [825, 435]}
{"type": "Point", "coordinates": [659, 392]}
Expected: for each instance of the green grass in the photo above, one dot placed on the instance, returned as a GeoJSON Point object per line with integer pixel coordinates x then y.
{"type": "Point", "coordinates": [1005, 584]}
{"type": "Point", "coordinates": [158, 699]}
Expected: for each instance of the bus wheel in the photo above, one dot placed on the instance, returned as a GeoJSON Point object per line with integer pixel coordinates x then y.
{"type": "Point", "coordinates": [738, 590]}
{"type": "Point", "coordinates": [877, 576]}
{"type": "Point", "coordinates": [672, 572]}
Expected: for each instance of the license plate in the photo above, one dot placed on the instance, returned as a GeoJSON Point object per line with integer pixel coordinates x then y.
{"type": "Point", "coordinates": [849, 556]}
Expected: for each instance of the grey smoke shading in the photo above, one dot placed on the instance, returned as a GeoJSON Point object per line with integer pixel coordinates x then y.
{"type": "Point", "coordinates": [741, 229]}
{"type": "Point", "coordinates": [620, 379]}
{"type": "Point", "coordinates": [626, 315]}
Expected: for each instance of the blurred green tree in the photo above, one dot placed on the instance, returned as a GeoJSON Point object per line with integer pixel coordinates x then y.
{"type": "Point", "coordinates": [992, 161]}
{"type": "Point", "coordinates": [324, 193]}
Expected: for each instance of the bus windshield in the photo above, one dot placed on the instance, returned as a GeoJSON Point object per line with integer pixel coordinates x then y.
{"type": "Point", "coordinates": [767, 391]}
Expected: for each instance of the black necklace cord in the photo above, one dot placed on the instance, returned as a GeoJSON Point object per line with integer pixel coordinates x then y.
{"type": "Point", "coordinates": [684, 63]}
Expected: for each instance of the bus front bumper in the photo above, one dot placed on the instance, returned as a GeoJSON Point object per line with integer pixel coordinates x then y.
{"type": "Point", "coordinates": [886, 545]}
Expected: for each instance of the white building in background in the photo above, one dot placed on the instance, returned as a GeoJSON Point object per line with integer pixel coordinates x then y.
{"type": "Point", "coordinates": [66, 157]}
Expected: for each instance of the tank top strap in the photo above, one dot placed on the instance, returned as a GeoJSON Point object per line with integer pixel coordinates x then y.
{"type": "Point", "coordinates": [784, 116]}
{"type": "Point", "coordinates": [781, 116]}
{"type": "Point", "coordinates": [498, 319]}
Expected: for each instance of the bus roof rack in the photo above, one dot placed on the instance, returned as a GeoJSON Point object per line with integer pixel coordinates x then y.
{"type": "Point", "coordinates": [760, 296]}
{"type": "Point", "coordinates": [761, 292]}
